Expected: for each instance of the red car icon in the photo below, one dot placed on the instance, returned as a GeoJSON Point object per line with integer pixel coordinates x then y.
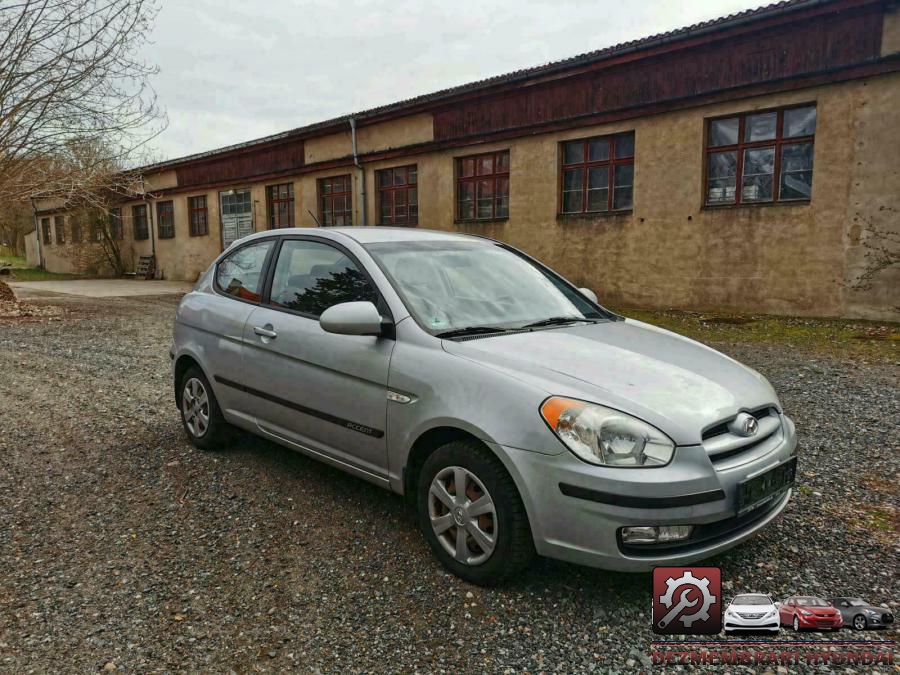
{"type": "Point", "coordinates": [808, 612]}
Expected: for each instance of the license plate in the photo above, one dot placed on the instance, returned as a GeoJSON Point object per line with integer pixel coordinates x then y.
{"type": "Point", "coordinates": [756, 491]}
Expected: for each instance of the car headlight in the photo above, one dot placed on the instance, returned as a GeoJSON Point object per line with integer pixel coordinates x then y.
{"type": "Point", "coordinates": [604, 436]}
{"type": "Point", "coordinates": [871, 612]}
{"type": "Point", "coordinates": [805, 612]}
{"type": "Point", "coordinates": [770, 614]}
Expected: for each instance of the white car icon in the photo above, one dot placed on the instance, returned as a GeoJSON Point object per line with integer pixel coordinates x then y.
{"type": "Point", "coordinates": [751, 611]}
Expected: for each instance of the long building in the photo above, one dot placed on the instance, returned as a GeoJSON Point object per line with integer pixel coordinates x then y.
{"type": "Point", "coordinates": [747, 163]}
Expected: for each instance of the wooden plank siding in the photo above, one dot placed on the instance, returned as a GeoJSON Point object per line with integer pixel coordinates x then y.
{"type": "Point", "coordinates": [825, 44]}
{"type": "Point", "coordinates": [250, 163]}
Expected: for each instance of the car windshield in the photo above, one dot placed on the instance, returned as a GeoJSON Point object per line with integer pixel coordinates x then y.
{"type": "Point", "coordinates": [751, 600]}
{"type": "Point", "coordinates": [452, 285]}
{"type": "Point", "coordinates": [856, 602]}
{"type": "Point", "coordinates": [811, 602]}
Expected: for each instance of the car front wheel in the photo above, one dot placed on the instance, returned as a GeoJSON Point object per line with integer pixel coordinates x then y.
{"type": "Point", "coordinates": [471, 514]}
{"type": "Point", "coordinates": [859, 622]}
{"type": "Point", "coordinates": [796, 624]}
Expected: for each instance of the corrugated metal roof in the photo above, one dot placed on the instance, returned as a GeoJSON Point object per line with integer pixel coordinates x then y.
{"type": "Point", "coordinates": [587, 58]}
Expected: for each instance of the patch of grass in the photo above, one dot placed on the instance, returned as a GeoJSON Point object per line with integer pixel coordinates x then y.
{"type": "Point", "coordinates": [835, 337]}
{"type": "Point", "coordinates": [12, 259]}
{"type": "Point", "coordinates": [35, 274]}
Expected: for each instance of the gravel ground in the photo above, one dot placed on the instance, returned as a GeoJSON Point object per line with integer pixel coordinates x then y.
{"type": "Point", "coordinates": [121, 547]}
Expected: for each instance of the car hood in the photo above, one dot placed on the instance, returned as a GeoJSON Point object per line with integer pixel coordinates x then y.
{"type": "Point", "coordinates": [678, 385]}
{"type": "Point", "coordinates": [752, 609]}
{"type": "Point", "coordinates": [820, 611]}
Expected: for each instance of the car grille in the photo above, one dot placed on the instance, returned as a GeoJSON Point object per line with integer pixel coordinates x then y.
{"type": "Point", "coordinates": [750, 616]}
{"type": "Point", "coordinates": [887, 617]}
{"type": "Point", "coordinates": [727, 450]}
{"type": "Point", "coordinates": [826, 622]}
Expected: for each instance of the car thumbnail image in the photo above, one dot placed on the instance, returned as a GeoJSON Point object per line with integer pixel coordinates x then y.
{"type": "Point", "coordinates": [806, 612]}
{"type": "Point", "coordinates": [861, 615]}
{"type": "Point", "coordinates": [751, 611]}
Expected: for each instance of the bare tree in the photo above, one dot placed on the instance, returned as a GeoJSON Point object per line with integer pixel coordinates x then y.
{"type": "Point", "coordinates": [16, 221]}
{"type": "Point", "coordinates": [882, 248]}
{"type": "Point", "coordinates": [70, 74]}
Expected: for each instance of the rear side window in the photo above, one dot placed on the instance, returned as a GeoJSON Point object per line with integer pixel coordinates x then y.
{"type": "Point", "coordinates": [311, 276]}
{"type": "Point", "coordinates": [240, 274]}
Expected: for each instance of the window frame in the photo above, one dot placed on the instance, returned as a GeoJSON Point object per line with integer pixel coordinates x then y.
{"type": "Point", "coordinates": [145, 231]}
{"type": "Point", "coordinates": [116, 226]}
{"type": "Point", "coordinates": [264, 273]}
{"type": "Point", "coordinates": [612, 161]}
{"type": "Point", "coordinates": [170, 227]}
{"type": "Point", "coordinates": [192, 211]}
{"type": "Point", "coordinates": [75, 230]}
{"type": "Point", "coordinates": [46, 237]}
{"type": "Point", "coordinates": [382, 304]}
{"type": "Point", "coordinates": [459, 180]}
{"type": "Point", "coordinates": [396, 188]}
{"type": "Point", "coordinates": [321, 197]}
{"type": "Point", "coordinates": [778, 142]}
{"type": "Point", "coordinates": [59, 227]}
{"type": "Point", "coordinates": [272, 212]}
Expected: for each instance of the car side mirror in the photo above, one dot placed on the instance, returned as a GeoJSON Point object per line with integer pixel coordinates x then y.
{"type": "Point", "coordinates": [588, 293]}
{"type": "Point", "coordinates": [777, 604]}
{"type": "Point", "coordinates": [352, 318]}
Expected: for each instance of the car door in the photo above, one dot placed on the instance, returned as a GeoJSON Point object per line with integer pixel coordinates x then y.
{"type": "Point", "coordinates": [323, 392]}
{"type": "Point", "coordinates": [785, 612]}
{"type": "Point", "coordinates": [217, 319]}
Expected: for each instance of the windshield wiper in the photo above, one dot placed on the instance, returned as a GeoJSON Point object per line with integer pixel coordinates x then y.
{"type": "Point", "coordinates": [558, 321]}
{"type": "Point", "coordinates": [470, 330]}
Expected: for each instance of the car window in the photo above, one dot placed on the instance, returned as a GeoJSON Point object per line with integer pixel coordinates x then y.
{"type": "Point", "coordinates": [240, 274]}
{"type": "Point", "coordinates": [811, 602]}
{"type": "Point", "coordinates": [752, 600]}
{"type": "Point", "coordinates": [311, 276]}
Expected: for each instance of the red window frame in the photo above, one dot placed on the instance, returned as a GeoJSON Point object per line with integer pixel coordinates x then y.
{"type": "Point", "coordinates": [59, 225]}
{"type": "Point", "coordinates": [778, 142]}
{"type": "Point", "coordinates": [45, 230]}
{"type": "Point", "coordinates": [165, 219]}
{"type": "Point", "coordinates": [280, 205]}
{"type": "Point", "coordinates": [115, 224]}
{"type": "Point", "coordinates": [398, 195]}
{"type": "Point", "coordinates": [75, 226]}
{"type": "Point", "coordinates": [139, 222]}
{"type": "Point", "coordinates": [198, 216]}
{"type": "Point", "coordinates": [485, 174]}
{"type": "Point", "coordinates": [335, 201]}
{"type": "Point", "coordinates": [614, 159]}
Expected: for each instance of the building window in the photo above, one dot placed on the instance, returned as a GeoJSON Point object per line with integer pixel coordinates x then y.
{"type": "Point", "coordinates": [75, 226]}
{"type": "Point", "coordinates": [139, 221]}
{"type": "Point", "coordinates": [335, 201]}
{"type": "Point", "coordinates": [115, 224]}
{"type": "Point", "coordinates": [398, 196]}
{"type": "Point", "coordinates": [59, 224]}
{"type": "Point", "coordinates": [598, 174]}
{"type": "Point", "coordinates": [768, 154]}
{"type": "Point", "coordinates": [45, 230]}
{"type": "Point", "coordinates": [165, 220]}
{"type": "Point", "coordinates": [482, 186]}
{"type": "Point", "coordinates": [198, 216]}
{"type": "Point", "coordinates": [280, 201]}
{"type": "Point", "coordinates": [96, 235]}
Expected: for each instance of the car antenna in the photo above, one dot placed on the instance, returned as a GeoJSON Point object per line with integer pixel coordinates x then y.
{"type": "Point", "coordinates": [318, 224]}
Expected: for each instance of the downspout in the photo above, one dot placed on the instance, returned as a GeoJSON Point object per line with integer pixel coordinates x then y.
{"type": "Point", "coordinates": [149, 223]}
{"type": "Point", "coordinates": [362, 172]}
{"type": "Point", "coordinates": [38, 233]}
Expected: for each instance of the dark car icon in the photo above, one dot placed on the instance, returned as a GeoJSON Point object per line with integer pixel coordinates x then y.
{"type": "Point", "coordinates": [807, 612]}
{"type": "Point", "coordinates": [861, 615]}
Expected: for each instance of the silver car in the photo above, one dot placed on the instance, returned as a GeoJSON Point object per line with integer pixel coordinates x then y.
{"type": "Point", "coordinates": [513, 411]}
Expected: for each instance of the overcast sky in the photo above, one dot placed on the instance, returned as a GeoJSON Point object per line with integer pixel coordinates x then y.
{"type": "Point", "coordinates": [233, 70]}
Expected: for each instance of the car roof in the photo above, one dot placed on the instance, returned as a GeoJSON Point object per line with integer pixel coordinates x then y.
{"type": "Point", "coordinates": [368, 235]}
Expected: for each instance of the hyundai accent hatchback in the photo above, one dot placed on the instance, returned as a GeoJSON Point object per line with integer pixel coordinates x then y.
{"type": "Point", "coordinates": [514, 412]}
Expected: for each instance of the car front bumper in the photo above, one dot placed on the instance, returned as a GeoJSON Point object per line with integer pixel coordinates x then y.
{"type": "Point", "coordinates": [820, 622]}
{"type": "Point", "coordinates": [577, 509]}
{"type": "Point", "coordinates": [731, 621]}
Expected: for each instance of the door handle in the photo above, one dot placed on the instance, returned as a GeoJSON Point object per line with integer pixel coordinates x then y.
{"type": "Point", "coordinates": [265, 331]}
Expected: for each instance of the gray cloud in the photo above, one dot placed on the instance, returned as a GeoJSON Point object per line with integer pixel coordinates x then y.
{"type": "Point", "coordinates": [233, 70]}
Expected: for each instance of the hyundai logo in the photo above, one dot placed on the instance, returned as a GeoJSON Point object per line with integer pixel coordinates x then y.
{"type": "Point", "coordinates": [744, 424]}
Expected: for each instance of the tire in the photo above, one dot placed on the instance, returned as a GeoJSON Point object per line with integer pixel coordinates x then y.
{"type": "Point", "coordinates": [859, 622]}
{"type": "Point", "coordinates": [796, 624]}
{"type": "Point", "coordinates": [505, 527]}
{"type": "Point", "coordinates": [206, 428]}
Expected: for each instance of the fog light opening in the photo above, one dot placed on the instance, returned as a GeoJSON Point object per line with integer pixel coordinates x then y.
{"type": "Point", "coordinates": [655, 534]}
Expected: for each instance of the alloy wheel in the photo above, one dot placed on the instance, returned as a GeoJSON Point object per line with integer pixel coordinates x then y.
{"type": "Point", "coordinates": [796, 624]}
{"type": "Point", "coordinates": [859, 622]}
{"type": "Point", "coordinates": [463, 515]}
{"type": "Point", "coordinates": [195, 407]}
